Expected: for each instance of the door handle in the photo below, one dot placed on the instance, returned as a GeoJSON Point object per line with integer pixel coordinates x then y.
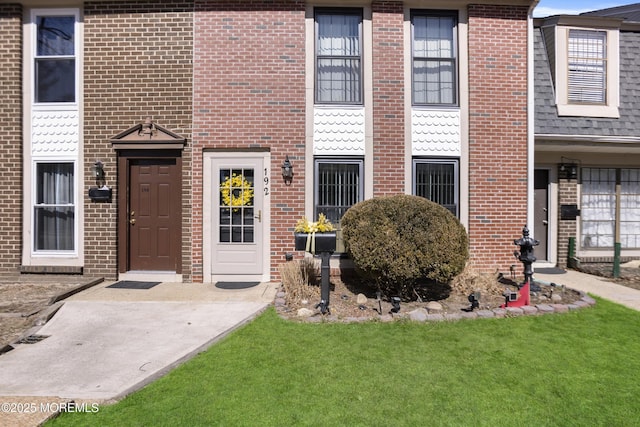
{"type": "Point", "coordinates": [132, 221]}
{"type": "Point", "coordinates": [259, 217]}
{"type": "Point", "coordinates": [545, 222]}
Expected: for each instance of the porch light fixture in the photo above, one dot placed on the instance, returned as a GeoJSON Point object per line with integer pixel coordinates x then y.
{"type": "Point", "coordinates": [568, 168]}
{"type": "Point", "coordinates": [97, 171]}
{"type": "Point", "coordinates": [287, 171]}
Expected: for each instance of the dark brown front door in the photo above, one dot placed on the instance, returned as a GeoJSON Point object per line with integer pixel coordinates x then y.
{"type": "Point", "coordinates": [541, 212]}
{"type": "Point", "coordinates": [154, 215]}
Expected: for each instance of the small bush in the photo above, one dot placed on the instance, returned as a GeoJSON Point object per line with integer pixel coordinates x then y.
{"type": "Point", "coordinates": [403, 242]}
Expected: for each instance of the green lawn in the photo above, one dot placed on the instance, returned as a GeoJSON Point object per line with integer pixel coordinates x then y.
{"type": "Point", "coordinates": [578, 369]}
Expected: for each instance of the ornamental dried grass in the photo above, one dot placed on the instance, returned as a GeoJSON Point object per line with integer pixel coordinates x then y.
{"type": "Point", "coordinates": [300, 281]}
{"type": "Point", "coordinates": [471, 281]}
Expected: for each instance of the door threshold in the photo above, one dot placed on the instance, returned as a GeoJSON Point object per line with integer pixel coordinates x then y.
{"type": "Point", "coordinates": [154, 276]}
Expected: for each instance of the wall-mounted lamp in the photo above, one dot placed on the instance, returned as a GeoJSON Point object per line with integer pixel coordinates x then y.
{"type": "Point", "coordinates": [101, 193]}
{"type": "Point", "coordinates": [568, 168]}
{"type": "Point", "coordinates": [287, 171]}
{"type": "Point", "coordinates": [98, 170]}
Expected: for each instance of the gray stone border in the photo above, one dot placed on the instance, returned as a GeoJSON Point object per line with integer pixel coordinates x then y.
{"type": "Point", "coordinates": [423, 315]}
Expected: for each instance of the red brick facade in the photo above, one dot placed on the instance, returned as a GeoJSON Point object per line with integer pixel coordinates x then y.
{"type": "Point", "coordinates": [11, 147]}
{"type": "Point", "coordinates": [497, 133]}
{"type": "Point", "coordinates": [250, 94]}
{"type": "Point", "coordinates": [230, 75]}
{"type": "Point", "coordinates": [388, 98]}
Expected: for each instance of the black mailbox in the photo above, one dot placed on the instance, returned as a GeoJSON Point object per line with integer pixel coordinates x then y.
{"type": "Point", "coordinates": [569, 212]}
{"type": "Point", "coordinates": [100, 194]}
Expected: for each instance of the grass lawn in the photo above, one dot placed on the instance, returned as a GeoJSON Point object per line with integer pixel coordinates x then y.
{"type": "Point", "coordinates": [575, 369]}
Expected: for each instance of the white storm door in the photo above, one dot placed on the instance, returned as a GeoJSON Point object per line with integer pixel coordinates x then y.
{"type": "Point", "coordinates": [237, 216]}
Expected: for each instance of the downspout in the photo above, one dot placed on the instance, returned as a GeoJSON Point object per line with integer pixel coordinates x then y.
{"type": "Point", "coordinates": [530, 118]}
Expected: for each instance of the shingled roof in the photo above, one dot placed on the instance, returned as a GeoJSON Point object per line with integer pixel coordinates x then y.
{"type": "Point", "coordinates": [547, 121]}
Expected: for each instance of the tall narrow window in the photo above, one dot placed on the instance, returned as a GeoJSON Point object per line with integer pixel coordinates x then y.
{"type": "Point", "coordinates": [338, 187]}
{"type": "Point", "coordinates": [437, 180]}
{"type": "Point", "coordinates": [338, 56]}
{"type": "Point", "coordinates": [55, 61]}
{"type": "Point", "coordinates": [434, 58]}
{"type": "Point", "coordinates": [587, 60]}
{"type": "Point", "coordinates": [54, 210]}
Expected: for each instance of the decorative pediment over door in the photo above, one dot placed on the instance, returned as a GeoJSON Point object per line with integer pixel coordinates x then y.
{"type": "Point", "coordinates": [148, 136]}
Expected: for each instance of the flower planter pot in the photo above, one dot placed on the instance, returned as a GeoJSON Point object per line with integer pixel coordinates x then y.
{"type": "Point", "coordinates": [317, 242]}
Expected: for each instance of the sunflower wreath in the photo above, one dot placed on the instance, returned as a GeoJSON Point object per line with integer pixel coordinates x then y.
{"type": "Point", "coordinates": [236, 191]}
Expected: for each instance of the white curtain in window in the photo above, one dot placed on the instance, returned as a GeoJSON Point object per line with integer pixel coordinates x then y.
{"type": "Point", "coordinates": [630, 208]}
{"type": "Point", "coordinates": [54, 209]}
{"type": "Point", "coordinates": [598, 207]}
{"type": "Point", "coordinates": [338, 52]}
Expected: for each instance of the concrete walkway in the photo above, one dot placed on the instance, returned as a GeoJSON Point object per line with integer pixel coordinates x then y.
{"type": "Point", "coordinates": [594, 285]}
{"type": "Point", "coordinates": [105, 343]}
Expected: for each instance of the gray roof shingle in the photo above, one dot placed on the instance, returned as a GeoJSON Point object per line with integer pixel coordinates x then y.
{"type": "Point", "coordinates": [547, 120]}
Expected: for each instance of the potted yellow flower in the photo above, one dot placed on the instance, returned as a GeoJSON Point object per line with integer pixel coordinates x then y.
{"type": "Point", "coordinates": [314, 237]}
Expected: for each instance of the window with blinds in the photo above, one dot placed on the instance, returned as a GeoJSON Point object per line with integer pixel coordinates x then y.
{"type": "Point", "coordinates": [437, 180]}
{"type": "Point", "coordinates": [338, 56]}
{"type": "Point", "coordinates": [587, 66]}
{"type": "Point", "coordinates": [434, 74]}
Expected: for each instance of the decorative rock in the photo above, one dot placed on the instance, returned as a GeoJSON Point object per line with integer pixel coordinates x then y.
{"type": "Point", "coordinates": [499, 312]}
{"type": "Point", "coordinates": [279, 302]}
{"type": "Point", "coordinates": [418, 315]}
{"type": "Point", "coordinates": [588, 300]}
{"type": "Point", "coordinates": [280, 294]}
{"type": "Point", "coordinates": [361, 299]}
{"type": "Point", "coordinates": [485, 314]}
{"type": "Point", "coordinates": [573, 307]}
{"type": "Point", "coordinates": [435, 317]}
{"type": "Point", "coordinates": [560, 308]}
{"type": "Point", "coordinates": [544, 308]}
{"type": "Point", "coordinates": [529, 310]}
{"type": "Point", "coordinates": [514, 311]}
{"type": "Point", "coordinates": [555, 298]}
{"type": "Point", "coordinates": [468, 315]}
{"type": "Point", "coordinates": [386, 318]}
{"type": "Point", "coordinates": [581, 304]}
{"type": "Point", "coordinates": [452, 316]}
{"type": "Point", "coordinates": [434, 306]}
{"type": "Point", "coordinates": [304, 312]}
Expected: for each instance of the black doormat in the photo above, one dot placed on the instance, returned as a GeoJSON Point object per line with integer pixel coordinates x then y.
{"type": "Point", "coordinates": [131, 284]}
{"type": "Point", "coordinates": [236, 285]}
{"type": "Point", "coordinates": [550, 270]}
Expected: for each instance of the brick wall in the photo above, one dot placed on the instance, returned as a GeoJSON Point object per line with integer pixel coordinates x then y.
{"type": "Point", "coordinates": [11, 147]}
{"type": "Point", "coordinates": [497, 133]}
{"type": "Point", "coordinates": [388, 98]}
{"type": "Point", "coordinates": [137, 63]}
{"type": "Point", "coordinates": [250, 94]}
{"type": "Point", "coordinates": [567, 195]}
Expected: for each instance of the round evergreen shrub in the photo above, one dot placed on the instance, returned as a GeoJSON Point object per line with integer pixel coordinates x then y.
{"type": "Point", "coordinates": [405, 244]}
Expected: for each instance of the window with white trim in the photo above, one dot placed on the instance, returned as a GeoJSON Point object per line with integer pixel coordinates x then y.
{"type": "Point", "coordinates": [338, 39]}
{"type": "Point", "coordinates": [437, 180]}
{"type": "Point", "coordinates": [587, 66]}
{"type": "Point", "coordinates": [587, 71]}
{"type": "Point", "coordinates": [54, 207]}
{"type": "Point", "coordinates": [433, 55]}
{"type": "Point", "coordinates": [338, 187]}
{"type": "Point", "coordinates": [598, 207]}
{"type": "Point", "coordinates": [55, 59]}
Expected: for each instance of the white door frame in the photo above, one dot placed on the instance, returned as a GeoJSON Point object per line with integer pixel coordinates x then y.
{"type": "Point", "coordinates": [262, 183]}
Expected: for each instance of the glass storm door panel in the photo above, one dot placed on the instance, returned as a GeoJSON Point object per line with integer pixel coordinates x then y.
{"type": "Point", "coordinates": [237, 216]}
